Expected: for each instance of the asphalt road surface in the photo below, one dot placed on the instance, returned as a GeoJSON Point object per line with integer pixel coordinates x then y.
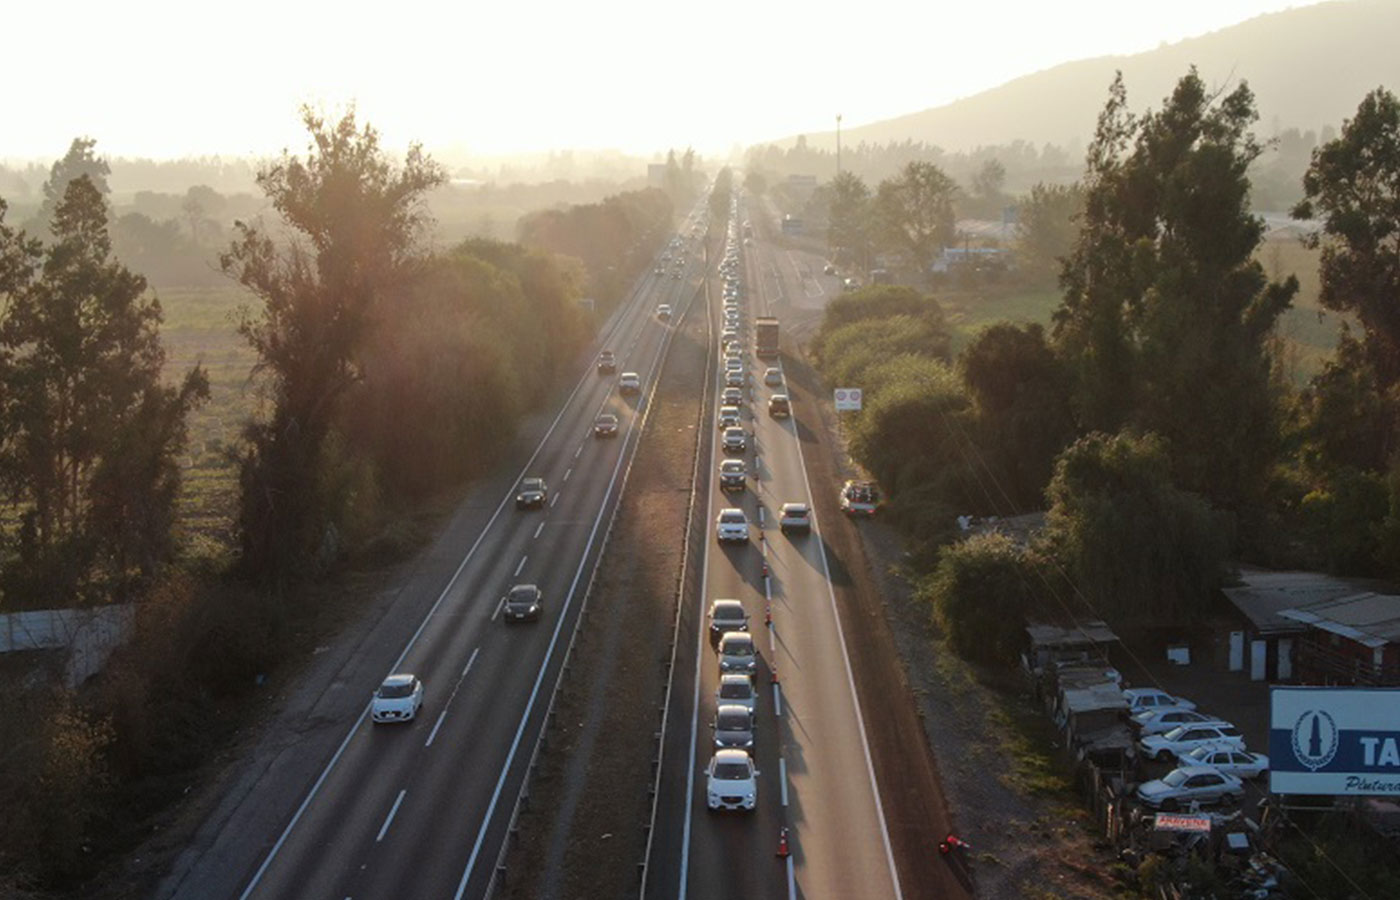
{"type": "Point", "coordinates": [816, 775]}
{"type": "Point", "coordinates": [422, 809]}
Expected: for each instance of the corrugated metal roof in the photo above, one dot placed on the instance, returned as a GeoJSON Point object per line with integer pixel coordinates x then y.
{"type": "Point", "coordinates": [1370, 619]}
{"type": "Point", "coordinates": [1284, 602]}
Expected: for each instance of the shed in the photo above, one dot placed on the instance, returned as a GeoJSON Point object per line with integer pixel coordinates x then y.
{"type": "Point", "coordinates": [1085, 642]}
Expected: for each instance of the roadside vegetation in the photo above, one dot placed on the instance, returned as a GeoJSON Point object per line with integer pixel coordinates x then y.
{"type": "Point", "coordinates": [297, 418]}
{"type": "Point", "coordinates": [1159, 419]}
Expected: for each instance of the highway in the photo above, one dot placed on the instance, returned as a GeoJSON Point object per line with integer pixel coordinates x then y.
{"type": "Point", "coordinates": [422, 809]}
{"type": "Point", "coordinates": [816, 776]}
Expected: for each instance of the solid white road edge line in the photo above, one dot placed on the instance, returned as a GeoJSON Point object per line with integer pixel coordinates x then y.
{"type": "Point", "coordinates": [384, 829]}
{"type": "Point", "coordinates": [851, 683]}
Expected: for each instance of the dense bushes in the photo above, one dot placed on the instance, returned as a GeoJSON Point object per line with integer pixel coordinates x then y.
{"type": "Point", "coordinates": [981, 592]}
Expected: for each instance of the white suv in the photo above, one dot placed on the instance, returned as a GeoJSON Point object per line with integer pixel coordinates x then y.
{"type": "Point", "coordinates": [732, 525]}
{"type": "Point", "coordinates": [732, 781]}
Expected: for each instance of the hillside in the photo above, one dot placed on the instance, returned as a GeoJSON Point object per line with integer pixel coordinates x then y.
{"type": "Point", "coordinates": [1308, 68]}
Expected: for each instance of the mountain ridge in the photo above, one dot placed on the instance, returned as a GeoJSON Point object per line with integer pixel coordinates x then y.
{"type": "Point", "coordinates": [1278, 55]}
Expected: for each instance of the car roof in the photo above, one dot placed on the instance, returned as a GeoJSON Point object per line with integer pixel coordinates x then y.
{"type": "Point", "coordinates": [524, 587]}
{"type": "Point", "coordinates": [400, 678]}
{"type": "Point", "coordinates": [725, 601]}
{"type": "Point", "coordinates": [733, 429]}
{"type": "Point", "coordinates": [737, 635]}
{"type": "Point", "coordinates": [794, 507]}
{"type": "Point", "coordinates": [1201, 770]}
{"type": "Point", "coordinates": [731, 510]}
{"type": "Point", "coordinates": [731, 756]}
{"type": "Point", "coordinates": [735, 678]}
{"type": "Point", "coordinates": [736, 464]}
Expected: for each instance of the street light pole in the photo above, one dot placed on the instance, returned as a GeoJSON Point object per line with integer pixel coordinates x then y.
{"type": "Point", "coordinates": [838, 143]}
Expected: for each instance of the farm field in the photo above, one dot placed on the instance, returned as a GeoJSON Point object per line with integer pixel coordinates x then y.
{"type": "Point", "coordinates": [201, 328]}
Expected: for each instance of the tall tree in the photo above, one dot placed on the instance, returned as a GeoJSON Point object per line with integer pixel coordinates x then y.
{"type": "Point", "coordinates": [357, 219]}
{"type": "Point", "coordinates": [90, 431]}
{"type": "Point", "coordinates": [1167, 315]}
{"type": "Point", "coordinates": [1353, 185]}
{"type": "Point", "coordinates": [848, 231]}
{"type": "Point", "coordinates": [914, 213]}
{"type": "Point", "coordinates": [78, 161]}
{"type": "Point", "coordinates": [1049, 222]}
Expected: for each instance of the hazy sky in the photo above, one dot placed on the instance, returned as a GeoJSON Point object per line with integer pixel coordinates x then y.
{"type": "Point", "coordinates": [168, 79]}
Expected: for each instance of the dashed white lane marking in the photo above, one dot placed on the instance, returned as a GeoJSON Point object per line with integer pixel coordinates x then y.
{"type": "Point", "coordinates": [499, 603]}
{"type": "Point", "coordinates": [521, 564]}
{"type": "Point", "coordinates": [436, 725]}
{"type": "Point", "coordinates": [553, 500]}
{"type": "Point", "coordinates": [578, 452]}
{"type": "Point", "coordinates": [460, 678]}
{"type": "Point", "coordinates": [567, 474]}
{"type": "Point", "coordinates": [539, 529]}
{"type": "Point", "coordinates": [390, 818]}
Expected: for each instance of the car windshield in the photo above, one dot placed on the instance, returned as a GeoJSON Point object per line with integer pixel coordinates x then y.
{"type": "Point", "coordinates": [738, 648]}
{"type": "Point", "coordinates": [732, 518]}
{"type": "Point", "coordinates": [396, 690]}
{"type": "Point", "coordinates": [1175, 778]}
{"type": "Point", "coordinates": [733, 721]}
{"type": "Point", "coordinates": [522, 594]}
{"type": "Point", "coordinates": [731, 771]}
{"type": "Point", "coordinates": [532, 484]}
{"type": "Point", "coordinates": [734, 691]}
{"type": "Point", "coordinates": [1176, 733]}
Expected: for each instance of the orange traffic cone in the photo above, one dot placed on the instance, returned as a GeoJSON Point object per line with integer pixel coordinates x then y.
{"type": "Point", "coordinates": [782, 843]}
{"type": "Point", "coordinates": [768, 615]}
{"type": "Point", "coordinates": [773, 673]}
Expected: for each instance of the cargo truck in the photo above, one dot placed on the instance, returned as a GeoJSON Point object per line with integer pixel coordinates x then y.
{"type": "Point", "coordinates": [765, 329]}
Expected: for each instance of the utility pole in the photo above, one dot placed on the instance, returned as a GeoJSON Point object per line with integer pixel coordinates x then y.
{"type": "Point", "coordinates": [838, 143]}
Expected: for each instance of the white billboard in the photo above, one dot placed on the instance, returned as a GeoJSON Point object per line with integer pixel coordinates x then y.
{"type": "Point", "coordinates": [1334, 741]}
{"type": "Point", "coordinates": [848, 399]}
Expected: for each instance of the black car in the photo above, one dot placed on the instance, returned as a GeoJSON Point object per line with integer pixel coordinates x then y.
{"type": "Point", "coordinates": [607, 363]}
{"type": "Point", "coordinates": [605, 425]}
{"type": "Point", "coordinates": [532, 495]}
{"type": "Point", "coordinates": [522, 604]}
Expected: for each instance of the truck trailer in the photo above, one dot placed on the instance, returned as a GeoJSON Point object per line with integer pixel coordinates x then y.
{"type": "Point", "coordinates": [765, 331]}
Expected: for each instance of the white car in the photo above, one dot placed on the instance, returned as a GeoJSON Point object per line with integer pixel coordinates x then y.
{"type": "Point", "coordinates": [1230, 760]}
{"type": "Point", "coordinates": [773, 376]}
{"type": "Point", "coordinates": [732, 397]}
{"type": "Point", "coordinates": [795, 517]}
{"type": "Point", "coordinates": [734, 378]}
{"type": "Point", "coordinates": [732, 525]}
{"type": "Point", "coordinates": [629, 383]}
{"type": "Point", "coordinates": [1165, 718]}
{"type": "Point", "coordinates": [1140, 699]}
{"type": "Point", "coordinates": [398, 699]}
{"type": "Point", "coordinates": [732, 781]}
{"type": "Point", "coordinates": [736, 688]}
{"type": "Point", "coordinates": [1190, 784]}
{"type": "Point", "coordinates": [728, 416]}
{"type": "Point", "coordinates": [663, 311]}
{"type": "Point", "coordinates": [733, 364]}
{"type": "Point", "coordinates": [1184, 738]}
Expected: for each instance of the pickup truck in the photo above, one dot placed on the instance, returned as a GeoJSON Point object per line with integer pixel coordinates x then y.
{"type": "Point", "coordinates": [860, 498]}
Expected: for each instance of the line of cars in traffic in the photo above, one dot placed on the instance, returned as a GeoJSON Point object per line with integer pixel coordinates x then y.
{"type": "Point", "coordinates": [731, 777]}
{"type": "Point", "coordinates": [1211, 760]}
